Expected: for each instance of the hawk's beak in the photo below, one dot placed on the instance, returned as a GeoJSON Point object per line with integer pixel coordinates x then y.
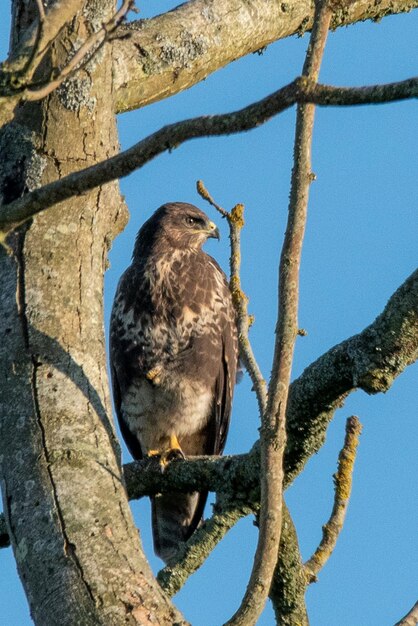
{"type": "Point", "coordinates": [213, 231]}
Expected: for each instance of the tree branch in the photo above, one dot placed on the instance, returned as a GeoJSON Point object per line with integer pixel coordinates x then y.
{"type": "Point", "coordinates": [174, 51]}
{"type": "Point", "coordinates": [370, 361]}
{"type": "Point", "coordinates": [411, 618]}
{"type": "Point", "coordinates": [16, 75]}
{"type": "Point", "coordinates": [27, 54]}
{"type": "Point", "coordinates": [83, 55]}
{"type": "Point", "coordinates": [235, 476]}
{"type": "Point", "coordinates": [342, 482]}
{"type": "Point", "coordinates": [30, 65]}
{"type": "Point", "coordinates": [273, 421]}
{"type": "Point", "coordinates": [301, 90]}
{"type": "Point", "coordinates": [156, 58]}
{"type": "Point", "coordinates": [235, 222]}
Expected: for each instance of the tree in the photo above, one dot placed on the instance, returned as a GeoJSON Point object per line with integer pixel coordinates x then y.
{"type": "Point", "coordinates": [66, 510]}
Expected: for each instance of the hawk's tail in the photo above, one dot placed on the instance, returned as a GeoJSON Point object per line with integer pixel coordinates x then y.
{"type": "Point", "coordinates": [175, 517]}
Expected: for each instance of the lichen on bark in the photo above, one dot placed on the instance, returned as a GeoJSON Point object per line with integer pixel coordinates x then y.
{"type": "Point", "coordinates": [67, 514]}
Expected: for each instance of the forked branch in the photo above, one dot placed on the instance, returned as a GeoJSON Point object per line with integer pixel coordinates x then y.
{"type": "Point", "coordinates": [36, 41]}
{"type": "Point", "coordinates": [273, 423]}
{"type": "Point", "coordinates": [16, 74]}
{"type": "Point", "coordinates": [83, 55]}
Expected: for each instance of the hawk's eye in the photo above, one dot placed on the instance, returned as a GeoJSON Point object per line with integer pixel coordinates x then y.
{"type": "Point", "coordinates": [193, 221]}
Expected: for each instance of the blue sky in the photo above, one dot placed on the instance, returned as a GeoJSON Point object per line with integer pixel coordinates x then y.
{"type": "Point", "coordinates": [360, 245]}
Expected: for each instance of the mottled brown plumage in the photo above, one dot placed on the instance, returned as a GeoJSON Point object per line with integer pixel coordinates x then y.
{"type": "Point", "coordinates": [173, 355]}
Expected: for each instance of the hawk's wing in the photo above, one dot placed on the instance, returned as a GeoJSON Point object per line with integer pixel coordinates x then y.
{"type": "Point", "coordinates": [130, 440]}
{"type": "Point", "coordinates": [223, 395]}
{"type": "Point", "coordinates": [118, 359]}
{"type": "Point", "coordinates": [226, 377]}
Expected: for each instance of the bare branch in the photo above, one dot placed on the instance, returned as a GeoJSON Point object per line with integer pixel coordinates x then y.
{"type": "Point", "coordinates": [83, 55]}
{"type": "Point", "coordinates": [16, 74]}
{"type": "Point", "coordinates": [29, 51]}
{"type": "Point", "coordinates": [273, 423]}
{"type": "Point", "coordinates": [173, 135]}
{"type": "Point", "coordinates": [370, 361]}
{"type": "Point", "coordinates": [41, 10]}
{"type": "Point", "coordinates": [144, 68]}
{"type": "Point", "coordinates": [176, 50]}
{"type": "Point", "coordinates": [342, 482]}
{"type": "Point", "coordinates": [235, 222]}
{"type": "Point", "coordinates": [236, 476]}
{"type": "Point", "coordinates": [411, 618]}
{"type": "Point", "coordinates": [324, 95]}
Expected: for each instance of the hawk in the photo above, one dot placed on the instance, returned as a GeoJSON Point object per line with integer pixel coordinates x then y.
{"type": "Point", "coordinates": [173, 356]}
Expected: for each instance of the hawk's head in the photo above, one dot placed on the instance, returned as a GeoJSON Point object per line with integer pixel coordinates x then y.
{"type": "Point", "coordinates": [175, 224]}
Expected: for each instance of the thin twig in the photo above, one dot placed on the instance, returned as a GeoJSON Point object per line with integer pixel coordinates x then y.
{"type": "Point", "coordinates": [173, 135]}
{"type": "Point", "coordinates": [342, 482]}
{"type": "Point", "coordinates": [235, 220]}
{"type": "Point", "coordinates": [411, 618]}
{"type": "Point", "coordinates": [83, 55]}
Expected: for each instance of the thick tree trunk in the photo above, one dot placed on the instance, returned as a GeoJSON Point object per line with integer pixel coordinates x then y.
{"type": "Point", "coordinates": [75, 543]}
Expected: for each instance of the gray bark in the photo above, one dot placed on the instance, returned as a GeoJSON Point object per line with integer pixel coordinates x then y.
{"type": "Point", "coordinates": [75, 543]}
{"type": "Point", "coordinates": [178, 49]}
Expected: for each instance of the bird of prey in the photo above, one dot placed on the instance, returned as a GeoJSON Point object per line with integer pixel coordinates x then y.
{"type": "Point", "coordinates": [173, 356]}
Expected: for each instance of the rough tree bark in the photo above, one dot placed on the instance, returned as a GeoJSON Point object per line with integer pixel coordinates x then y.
{"type": "Point", "coordinates": [75, 542]}
{"type": "Point", "coordinates": [175, 50]}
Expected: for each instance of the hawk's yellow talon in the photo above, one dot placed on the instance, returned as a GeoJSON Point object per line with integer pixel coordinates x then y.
{"type": "Point", "coordinates": [174, 444]}
{"type": "Point", "coordinates": [173, 451]}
